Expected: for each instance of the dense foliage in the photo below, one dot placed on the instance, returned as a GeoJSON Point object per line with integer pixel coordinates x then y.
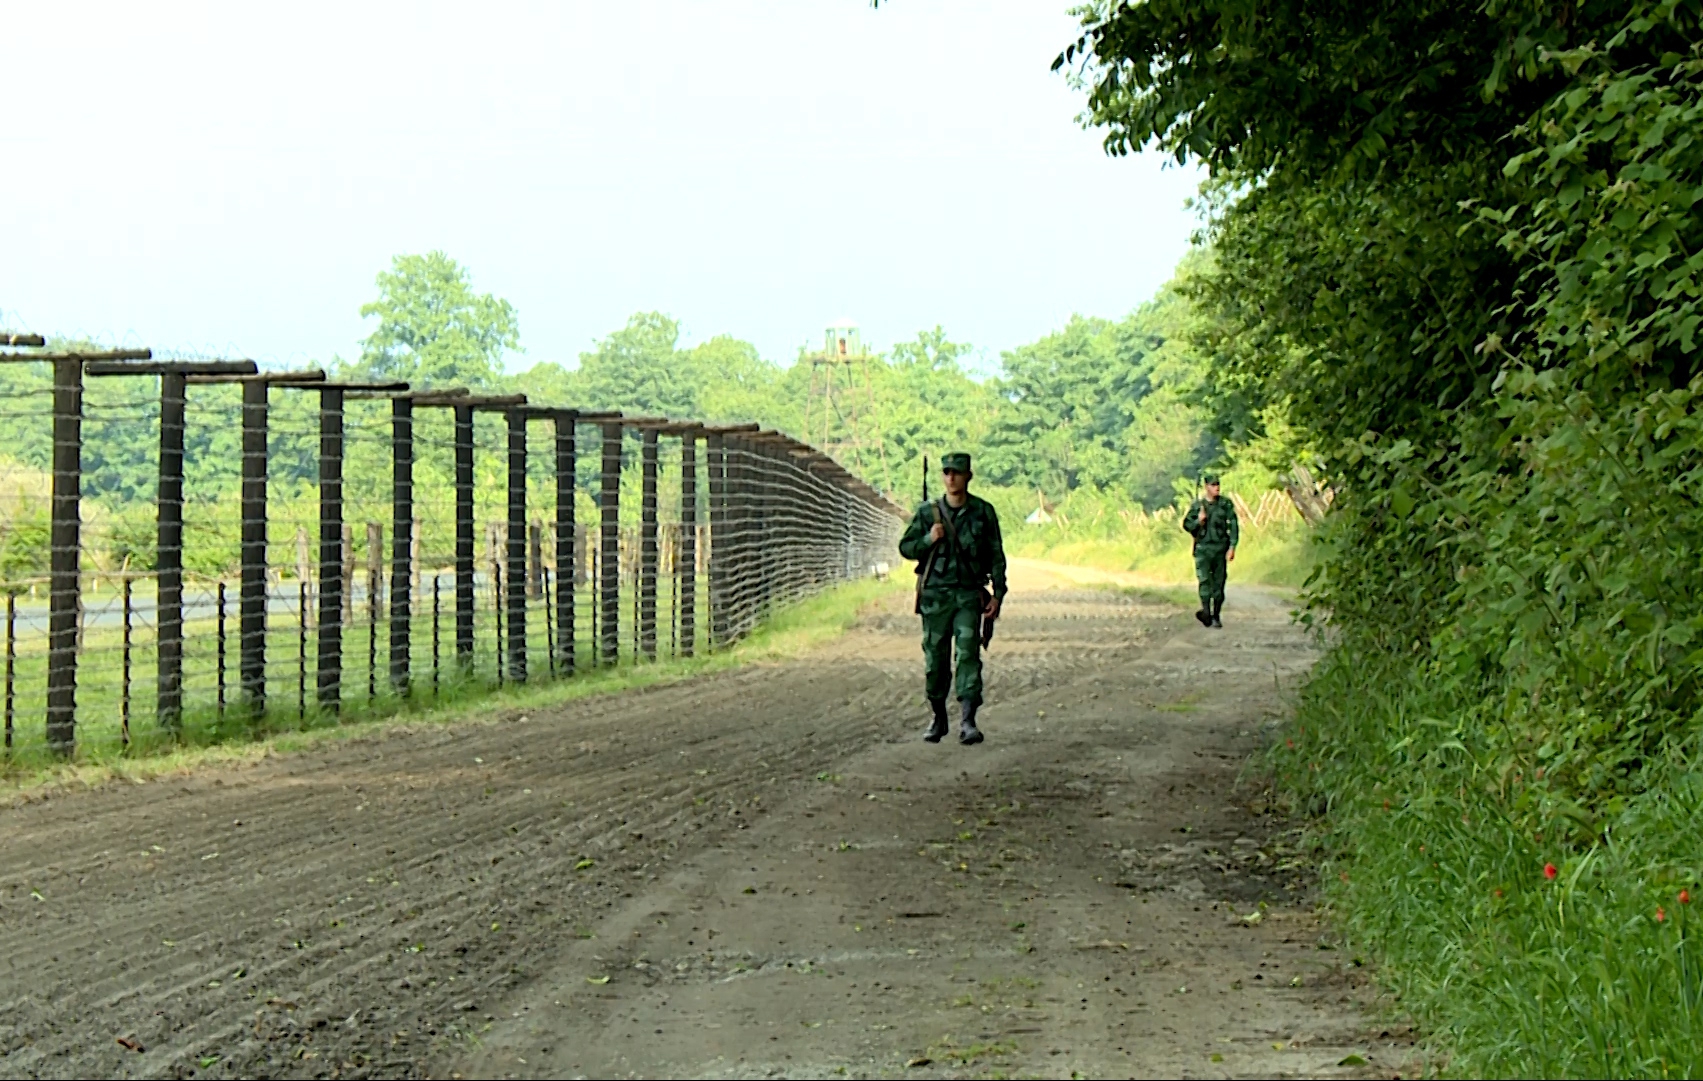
{"type": "Point", "coordinates": [433, 330]}
{"type": "Point", "coordinates": [1457, 256]}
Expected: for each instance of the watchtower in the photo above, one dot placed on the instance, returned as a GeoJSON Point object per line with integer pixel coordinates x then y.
{"type": "Point", "coordinates": [840, 403]}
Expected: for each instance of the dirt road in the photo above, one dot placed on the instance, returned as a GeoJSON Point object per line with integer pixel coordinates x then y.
{"type": "Point", "coordinates": [758, 873]}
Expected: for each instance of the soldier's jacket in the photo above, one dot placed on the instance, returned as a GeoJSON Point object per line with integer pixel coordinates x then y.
{"type": "Point", "coordinates": [978, 558]}
{"type": "Point", "coordinates": [1220, 530]}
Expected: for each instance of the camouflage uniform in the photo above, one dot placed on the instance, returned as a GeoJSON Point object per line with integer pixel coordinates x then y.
{"type": "Point", "coordinates": [951, 596]}
{"type": "Point", "coordinates": [1213, 540]}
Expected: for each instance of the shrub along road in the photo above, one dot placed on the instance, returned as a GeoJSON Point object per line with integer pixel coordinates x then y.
{"type": "Point", "coordinates": [757, 872]}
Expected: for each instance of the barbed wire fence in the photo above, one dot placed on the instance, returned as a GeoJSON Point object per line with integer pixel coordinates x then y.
{"type": "Point", "coordinates": [374, 545]}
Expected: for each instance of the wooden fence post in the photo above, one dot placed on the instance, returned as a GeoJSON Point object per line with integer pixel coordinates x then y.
{"type": "Point", "coordinates": [402, 539]}
{"type": "Point", "coordinates": [65, 540]}
{"type": "Point", "coordinates": [252, 611]}
{"type": "Point", "coordinates": [686, 566]}
{"type": "Point", "coordinates": [332, 584]}
{"type": "Point", "coordinates": [609, 569]}
{"type": "Point", "coordinates": [464, 536]}
{"type": "Point", "coordinates": [647, 543]}
{"type": "Point", "coordinates": [168, 557]}
{"type": "Point", "coordinates": [567, 533]}
{"type": "Point", "coordinates": [516, 569]}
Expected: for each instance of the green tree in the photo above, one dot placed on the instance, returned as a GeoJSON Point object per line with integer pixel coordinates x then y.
{"type": "Point", "coordinates": [925, 403]}
{"type": "Point", "coordinates": [1106, 405]}
{"type": "Point", "coordinates": [433, 329]}
{"type": "Point", "coordinates": [735, 384]}
{"type": "Point", "coordinates": [637, 369]}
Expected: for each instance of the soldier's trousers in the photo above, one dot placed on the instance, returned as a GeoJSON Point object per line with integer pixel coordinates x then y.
{"type": "Point", "coordinates": [952, 616]}
{"type": "Point", "coordinates": [1211, 568]}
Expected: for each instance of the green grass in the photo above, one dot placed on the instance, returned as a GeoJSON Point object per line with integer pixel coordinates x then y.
{"type": "Point", "coordinates": [205, 736]}
{"type": "Point", "coordinates": [1435, 868]}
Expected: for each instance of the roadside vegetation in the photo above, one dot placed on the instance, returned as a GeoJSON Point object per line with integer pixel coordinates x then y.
{"type": "Point", "coordinates": [1455, 269]}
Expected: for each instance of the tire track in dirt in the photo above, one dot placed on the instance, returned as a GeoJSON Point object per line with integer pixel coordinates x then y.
{"type": "Point", "coordinates": [474, 842]}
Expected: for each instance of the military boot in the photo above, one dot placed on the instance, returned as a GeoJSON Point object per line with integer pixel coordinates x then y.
{"type": "Point", "coordinates": [1204, 615]}
{"type": "Point", "coordinates": [968, 733]}
{"type": "Point", "coordinates": [1217, 607]}
{"type": "Point", "coordinates": [941, 724]}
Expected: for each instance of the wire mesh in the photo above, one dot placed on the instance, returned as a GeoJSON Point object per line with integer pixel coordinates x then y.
{"type": "Point", "coordinates": [193, 557]}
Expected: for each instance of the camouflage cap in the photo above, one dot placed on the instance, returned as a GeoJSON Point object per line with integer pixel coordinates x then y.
{"type": "Point", "coordinates": [957, 462]}
{"type": "Point", "coordinates": [1210, 478]}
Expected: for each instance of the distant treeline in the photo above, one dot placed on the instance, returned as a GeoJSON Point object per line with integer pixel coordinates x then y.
{"type": "Point", "coordinates": [1100, 406]}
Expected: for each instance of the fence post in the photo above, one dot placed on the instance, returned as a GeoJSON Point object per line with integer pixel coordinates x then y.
{"type": "Point", "coordinates": [464, 537]}
{"type": "Point", "coordinates": [740, 565]}
{"type": "Point", "coordinates": [609, 571]}
{"type": "Point", "coordinates": [516, 569]}
{"type": "Point", "coordinates": [565, 534]}
{"type": "Point", "coordinates": [765, 554]}
{"type": "Point", "coordinates": [715, 455]}
{"type": "Point", "coordinates": [252, 617]}
{"type": "Point", "coordinates": [402, 538]}
{"type": "Point", "coordinates": [331, 584]}
{"type": "Point", "coordinates": [65, 541]}
{"type": "Point", "coordinates": [647, 544]}
{"type": "Point", "coordinates": [168, 557]}
{"type": "Point", "coordinates": [686, 569]}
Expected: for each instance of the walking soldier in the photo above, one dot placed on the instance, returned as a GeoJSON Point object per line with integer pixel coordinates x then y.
{"type": "Point", "coordinates": [958, 550]}
{"type": "Point", "coordinates": [1212, 522]}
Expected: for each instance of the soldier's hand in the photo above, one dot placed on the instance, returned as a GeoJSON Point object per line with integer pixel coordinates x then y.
{"type": "Point", "coordinates": [937, 534]}
{"type": "Point", "coordinates": [992, 609]}
{"type": "Point", "coordinates": [1230, 556]}
{"type": "Point", "coordinates": [1202, 518]}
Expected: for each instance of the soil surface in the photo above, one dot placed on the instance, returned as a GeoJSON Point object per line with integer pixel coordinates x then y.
{"type": "Point", "coordinates": [763, 872]}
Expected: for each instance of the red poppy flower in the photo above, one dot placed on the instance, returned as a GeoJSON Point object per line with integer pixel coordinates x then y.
{"type": "Point", "coordinates": [1684, 897]}
{"type": "Point", "coordinates": [1549, 871]}
{"type": "Point", "coordinates": [1660, 915]}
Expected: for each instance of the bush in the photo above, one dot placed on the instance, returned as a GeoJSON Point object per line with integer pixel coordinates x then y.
{"type": "Point", "coordinates": [1440, 865]}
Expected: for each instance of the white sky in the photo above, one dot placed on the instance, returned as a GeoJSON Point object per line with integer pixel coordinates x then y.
{"type": "Point", "coordinates": [229, 178]}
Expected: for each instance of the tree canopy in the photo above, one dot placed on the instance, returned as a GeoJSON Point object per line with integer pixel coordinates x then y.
{"type": "Point", "coordinates": [433, 329]}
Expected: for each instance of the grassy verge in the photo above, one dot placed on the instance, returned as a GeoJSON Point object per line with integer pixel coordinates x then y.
{"type": "Point", "coordinates": [1524, 950]}
{"type": "Point", "coordinates": [204, 740]}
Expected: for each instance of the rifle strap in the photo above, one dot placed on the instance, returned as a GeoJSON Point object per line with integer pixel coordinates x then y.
{"type": "Point", "coordinates": [928, 562]}
{"type": "Point", "coordinates": [942, 518]}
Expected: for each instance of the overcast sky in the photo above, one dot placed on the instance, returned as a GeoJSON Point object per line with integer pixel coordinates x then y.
{"type": "Point", "coordinates": [229, 178]}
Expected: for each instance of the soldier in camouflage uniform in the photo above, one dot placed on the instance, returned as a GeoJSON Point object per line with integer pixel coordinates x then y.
{"type": "Point", "coordinates": [956, 544]}
{"type": "Point", "coordinates": [1211, 521]}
